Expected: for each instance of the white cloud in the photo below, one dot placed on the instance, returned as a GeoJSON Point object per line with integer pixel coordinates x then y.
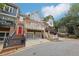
{"type": "Point", "coordinates": [48, 10]}
{"type": "Point", "coordinates": [58, 10]}
{"type": "Point", "coordinates": [27, 13]}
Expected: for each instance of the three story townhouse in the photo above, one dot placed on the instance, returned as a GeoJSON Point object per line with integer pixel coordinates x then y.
{"type": "Point", "coordinates": [34, 29]}
{"type": "Point", "coordinates": [8, 17]}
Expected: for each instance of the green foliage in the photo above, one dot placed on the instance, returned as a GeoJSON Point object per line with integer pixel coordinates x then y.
{"type": "Point", "coordinates": [1, 5]}
{"type": "Point", "coordinates": [74, 10]}
{"type": "Point", "coordinates": [47, 18]}
{"type": "Point", "coordinates": [71, 20]}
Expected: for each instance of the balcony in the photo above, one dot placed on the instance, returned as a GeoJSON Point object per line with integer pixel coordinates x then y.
{"type": "Point", "coordinates": [34, 26]}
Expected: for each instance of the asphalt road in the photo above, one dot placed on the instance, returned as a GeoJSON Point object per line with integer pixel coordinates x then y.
{"type": "Point", "coordinates": [61, 48]}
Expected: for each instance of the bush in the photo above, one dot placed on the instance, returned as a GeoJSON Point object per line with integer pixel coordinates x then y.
{"type": "Point", "coordinates": [62, 34]}
{"type": "Point", "coordinates": [73, 36]}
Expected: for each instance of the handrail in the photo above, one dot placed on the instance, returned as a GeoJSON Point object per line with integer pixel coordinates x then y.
{"type": "Point", "coordinates": [11, 36]}
{"type": "Point", "coordinates": [8, 38]}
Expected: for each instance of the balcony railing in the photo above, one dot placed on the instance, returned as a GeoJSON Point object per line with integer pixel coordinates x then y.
{"type": "Point", "coordinates": [36, 27]}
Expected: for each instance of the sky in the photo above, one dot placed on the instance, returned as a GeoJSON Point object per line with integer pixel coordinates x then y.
{"type": "Point", "coordinates": [57, 10]}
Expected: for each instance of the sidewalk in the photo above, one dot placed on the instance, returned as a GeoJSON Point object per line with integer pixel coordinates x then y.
{"type": "Point", "coordinates": [63, 38]}
{"type": "Point", "coordinates": [10, 50]}
{"type": "Point", "coordinates": [19, 48]}
{"type": "Point", "coordinates": [30, 43]}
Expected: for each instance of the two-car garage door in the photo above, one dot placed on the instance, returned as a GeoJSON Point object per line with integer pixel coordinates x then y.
{"type": "Point", "coordinates": [29, 35]}
{"type": "Point", "coordinates": [38, 35]}
{"type": "Point", "coordinates": [32, 35]}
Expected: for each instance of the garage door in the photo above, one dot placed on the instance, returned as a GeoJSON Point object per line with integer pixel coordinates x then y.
{"type": "Point", "coordinates": [38, 35]}
{"type": "Point", "coordinates": [29, 36]}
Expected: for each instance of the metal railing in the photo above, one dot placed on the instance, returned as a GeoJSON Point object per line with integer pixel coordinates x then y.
{"type": "Point", "coordinates": [2, 40]}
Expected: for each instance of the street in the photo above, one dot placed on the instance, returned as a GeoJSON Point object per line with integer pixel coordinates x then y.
{"type": "Point", "coordinates": [56, 48]}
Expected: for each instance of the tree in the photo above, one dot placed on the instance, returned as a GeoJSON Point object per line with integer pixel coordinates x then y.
{"type": "Point", "coordinates": [71, 20]}
{"type": "Point", "coordinates": [50, 20]}
{"type": "Point", "coordinates": [1, 5]}
{"type": "Point", "coordinates": [48, 17]}
{"type": "Point", "coordinates": [74, 13]}
{"type": "Point", "coordinates": [74, 9]}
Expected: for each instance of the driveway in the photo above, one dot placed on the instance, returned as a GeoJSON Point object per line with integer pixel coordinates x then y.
{"type": "Point", "coordinates": [60, 48]}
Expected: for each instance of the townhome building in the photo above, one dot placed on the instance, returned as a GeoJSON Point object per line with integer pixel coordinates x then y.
{"type": "Point", "coordinates": [8, 16]}
{"type": "Point", "coordinates": [34, 29]}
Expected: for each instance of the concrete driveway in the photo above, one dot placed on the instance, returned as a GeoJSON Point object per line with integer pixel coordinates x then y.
{"type": "Point", "coordinates": [60, 48]}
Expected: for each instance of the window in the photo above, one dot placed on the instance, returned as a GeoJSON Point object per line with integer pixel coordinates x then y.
{"type": "Point", "coordinates": [14, 11]}
{"type": "Point", "coordinates": [6, 17]}
{"type": "Point", "coordinates": [7, 34]}
{"type": "Point", "coordinates": [7, 8]}
{"type": "Point", "coordinates": [11, 10]}
{"type": "Point", "coordinates": [2, 34]}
